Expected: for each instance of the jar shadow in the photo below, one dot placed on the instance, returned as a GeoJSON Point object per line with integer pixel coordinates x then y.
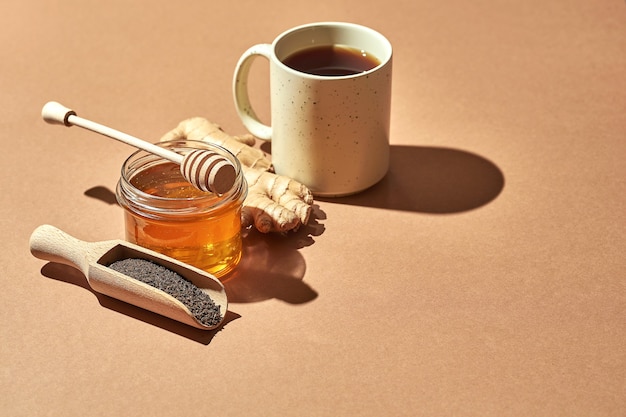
{"type": "Point", "coordinates": [271, 266]}
{"type": "Point", "coordinates": [102, 193]}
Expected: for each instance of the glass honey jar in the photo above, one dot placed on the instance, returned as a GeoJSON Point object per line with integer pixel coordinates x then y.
{"type": "Point", "coordinates": [165, 213]}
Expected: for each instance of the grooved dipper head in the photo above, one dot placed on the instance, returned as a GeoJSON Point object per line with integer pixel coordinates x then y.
{"type": "Point", "coordinates": [208, 171]}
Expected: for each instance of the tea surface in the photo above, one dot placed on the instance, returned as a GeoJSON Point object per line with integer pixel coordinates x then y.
{"type": "Point", "coordinates": [331, 60]}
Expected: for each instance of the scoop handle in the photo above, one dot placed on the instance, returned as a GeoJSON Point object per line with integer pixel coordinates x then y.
{"type": "Point", "coordinates": [51, 244]}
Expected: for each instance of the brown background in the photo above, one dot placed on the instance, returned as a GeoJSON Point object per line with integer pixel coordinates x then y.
{"type": "Point", "coordinates": [483, 276]}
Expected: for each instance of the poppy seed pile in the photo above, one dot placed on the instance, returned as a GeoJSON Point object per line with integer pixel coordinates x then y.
{"type": "Point", "coordinates": [199, 303]}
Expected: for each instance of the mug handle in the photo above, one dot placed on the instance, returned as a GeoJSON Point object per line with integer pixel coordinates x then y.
{"type": "Point", "coordinates": [240, 91]}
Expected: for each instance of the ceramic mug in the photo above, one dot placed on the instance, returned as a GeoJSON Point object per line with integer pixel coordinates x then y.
{"type": "Point", "coordinates": [329, 127]}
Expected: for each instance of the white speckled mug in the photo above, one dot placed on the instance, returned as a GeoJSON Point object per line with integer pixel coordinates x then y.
{"type": "Point", "coordinates": [329, 132]}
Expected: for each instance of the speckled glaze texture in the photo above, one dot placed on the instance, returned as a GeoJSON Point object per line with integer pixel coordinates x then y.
{"type": "Point", "coordinates": [331, 133]}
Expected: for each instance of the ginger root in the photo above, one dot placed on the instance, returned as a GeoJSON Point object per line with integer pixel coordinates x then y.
{"type": "Point", "coordinates": [275, 203]}
{"type": "Point", "coordinates": [199, 128]}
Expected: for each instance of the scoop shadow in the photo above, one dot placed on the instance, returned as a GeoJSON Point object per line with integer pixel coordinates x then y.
{"type": "Point", "coordinates": [272, 267]}
{"type": "Point", "coordinates": [432, 180]}
{"type": "Point", "coordinates": [71, 275]}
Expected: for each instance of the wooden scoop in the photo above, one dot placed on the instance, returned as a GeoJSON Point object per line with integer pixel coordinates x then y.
{"type": "Point", "coordinates": [205, 170]}
{"type": "Point", "coordinates": [51, 244]}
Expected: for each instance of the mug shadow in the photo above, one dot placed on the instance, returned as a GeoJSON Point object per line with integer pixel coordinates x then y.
{"type": "Point", "coordinates": [65, 273]}
{"type": "Point", "coordinates": [271, 266]}
{"type": "Point", "coordinates": [431, 180]}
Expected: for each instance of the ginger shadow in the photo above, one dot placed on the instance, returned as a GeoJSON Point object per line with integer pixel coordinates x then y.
{"type": "Point", "coordinates": [432, 180]}
{"type": "Point", "coordinates": [65, 273]}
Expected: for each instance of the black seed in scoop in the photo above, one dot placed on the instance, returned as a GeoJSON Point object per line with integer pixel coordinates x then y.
{"type": "Point", "coordinates": [199, 303]}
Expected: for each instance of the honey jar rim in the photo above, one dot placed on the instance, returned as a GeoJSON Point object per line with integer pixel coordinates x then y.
{"type": "Point", "coordinates": [128, 195]}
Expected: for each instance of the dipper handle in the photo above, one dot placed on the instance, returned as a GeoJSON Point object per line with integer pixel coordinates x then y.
{"type": "Point", "coordinates": [57, 113]}
{"type": "Point", "coordinates": [205, 170]}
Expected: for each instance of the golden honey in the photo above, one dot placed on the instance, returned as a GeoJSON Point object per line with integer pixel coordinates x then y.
{"type": "Point", "coordinates": [165, 213]}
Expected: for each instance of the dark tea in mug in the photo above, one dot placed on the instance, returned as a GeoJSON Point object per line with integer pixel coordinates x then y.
{"type": "Point", "coordinates": [331, 60]}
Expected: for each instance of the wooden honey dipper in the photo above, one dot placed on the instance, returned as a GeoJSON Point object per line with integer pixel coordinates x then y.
{"type": "Point", "coordinates": [205, 170]}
